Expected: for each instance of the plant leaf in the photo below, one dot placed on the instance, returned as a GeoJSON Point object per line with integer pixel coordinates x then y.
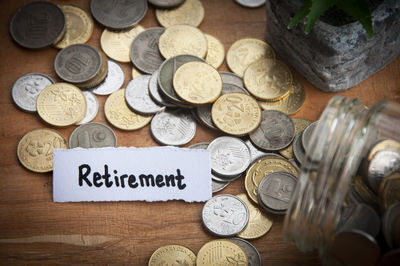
{"type": "Point", "coordinates": [360, 11]}
{"type": "Point", "coordinates": [318, 7]}
{"type": "Point", "coordinates": [300, 15]}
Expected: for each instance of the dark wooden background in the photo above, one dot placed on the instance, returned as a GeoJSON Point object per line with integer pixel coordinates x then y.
{"type": "Point", "coordinates": [34, 230]}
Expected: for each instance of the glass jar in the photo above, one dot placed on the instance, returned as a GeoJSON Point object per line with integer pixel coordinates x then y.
{"type": "Point", "coordinates": [345, 133]}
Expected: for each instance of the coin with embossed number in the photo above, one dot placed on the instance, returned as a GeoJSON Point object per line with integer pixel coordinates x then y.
{"type": "Point", "coordinates": [175, 127]}
{"type": "Point", "coordinates": [118, 15]}
{"type": "Point", "coordinates": [172, 255]}
{"type": "Point", "coordinates": [191, 12]}
{"type": "Point", "coordinates": [26, 89]}
{"type": "Point", "coordinates": [225, 215]}
{"type": "Point", "coordinates": [77, 63]}
{"type": "Point", "coordinates": [229, 156]}
{"type": "Point", "coordinates": [221, 252]}
{"type": "Point", "coordinates": [154, 91]}
{"type": "Point", "coordinates": [92, 135]}
{"type": "Point", "coordinates": [114, 80]}
{"type": "Point", "coordinates": [137, 96]}
{"type": "Point", "coordinates": [144, 51]}
{"type": "Point", "coordinates": [35, 149]}
{"type": "Point", "coordinates": [275, 132]}
{"type": "Point", "coordinates": [37, 25]}
{"type": "Point", "coordinates": [252, 253]}
{"type": "Point", "coordinates": [92, 107]}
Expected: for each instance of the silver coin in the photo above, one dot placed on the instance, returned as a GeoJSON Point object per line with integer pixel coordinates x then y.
{"type": "Point", "coordinates": [230, 156]}
{"type": "Point", "coordinates": [154, 91]}
{"type": "Point", "coordinates": [204, 111]}
{"type": "Point", "coordinates": [114, 80]}
{"type": "Point", "coordinates": [256, 153]}
{"type": "Point", "coordinates": [118, 15]}
{"type": "Point", "coordinates": [381, 165]}
{"type": "Point", "coordinates": [166, 3]}
{"type": "Point", "coordinates": [221, 178]}
{"type": "Point", "coordinates": [251, 3]}
{"type": "Point", "coordinates": [305, 139]}
{"type": "Point", "coordinates": [137, 96]}
{"type": "Point", "coordinates": [217, 186]}
{"type": "Point", "coordinates": [26, 89]}
{"type": "Point", "coordinates": [92, 107]}
{"type": "Point", "coordinates": [232, 78]}
{"type": "Point", "coordinates": [144, 51]}
{"type": "Point", "coordinates": [298, 150]}
{"type": "Point", "coordinates": [275, 190]}
{"type": "Point", "coordinates": [92, 135]}
{"type": "Point", "coordinates": [252, 253]}
{"type": "Point", "coordinates": [391, 219]}
{"type": "Point", "coordinates": [173, 127]}
{"type": "Point", "coordinates": [77, 63]}
{"type": "Point", "coordinates": [275, 132]}
{"type": "Point", "coordinates": [225, 215]}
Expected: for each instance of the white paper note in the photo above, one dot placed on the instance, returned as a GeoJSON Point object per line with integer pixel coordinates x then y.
{"type": "Point", "coordinates": [125, 174]}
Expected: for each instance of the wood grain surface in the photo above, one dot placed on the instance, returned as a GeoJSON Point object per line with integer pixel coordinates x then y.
{"type": "Point", "coordinates": [34, 230]}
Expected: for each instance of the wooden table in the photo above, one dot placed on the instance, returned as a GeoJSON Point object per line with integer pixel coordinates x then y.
{"type": "Point", "coordinates": [34, 230]}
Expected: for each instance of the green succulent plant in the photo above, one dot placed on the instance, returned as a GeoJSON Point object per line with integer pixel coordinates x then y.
{"type": "Point", "coordinates": [312, 10]}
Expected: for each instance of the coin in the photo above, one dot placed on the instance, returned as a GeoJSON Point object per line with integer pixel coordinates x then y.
{"type": "Point", "coordinates": [215, 51]}
{"type": "Point", "coordinates": [229, 156]}
{"type": "Point", "coordinates": [381, 165]}
{"type": "Point", "coordinates": [221, 252]}
{"type": "Point", "coordinates": [191, 12]}
{"type": "Point", "coordinates": [290, 104]}
{"type": "Point", "coordinates": [167, 70]}
{"type": "Point", "coordinates": [166, 3]}
{"type": "Point", "coordinates": [259, 222]}
{"type": "Point", "coordinates": [252, 253]}
{"type": "Point", "coordinates": [137, 96]}
{"type": "Point", "coordinates": [391, 220]}
{"type": "Point", "coordinates": [144, 51]}
{"type": "Point", "coordinates": [246, 51]}
{"type": "Point", "coordinates": [389, 190]}
{"type": "Point", "coordinates": [35, 149]}
{"type": "Point", "coordinates": [197, 83]}
{"type": "Point", "coordinates": [365, 192]}
{"type": "Point", "coordinates": [119, 115]}
{"type": "Point", "coordinates": [307, 133]}
{"type": "Point", "coordinates": [236, 114]}
{"type": "Point", "coordinates": [77, 63]}
{"type": "Point", "coordinates": [79, 26]}
{"type": "Point", "coordinates": [225, 215]}
{"type": "Point", "coordinates": [386, 144]}
{"type": "Point", "coordinates": [99, 77]}
{"type": "Point", "coordinates": [92, 135]}
{"type": "Point", "coordinates": [203, 112]}
{"type": "Point", "coordinates": [263, 167]}
{"type": "Point", "coordinates": [298, 150]}
{"type": "Point", "coordinates": [61, 104]}
{"type": "Point", "coordinates": [92, 107]}
{"type": "Point", "coordinates": [118, 15]}
{"type": "Point", "coordinates": [117, 44]}
{"type": "Point", "coordinates": [26, 89]}
{"type": "Point", "coordinates": [217, 186]}
{"type": "Point", "coordinates": [256, 153]}
{"type": "Point", "coordinates": [155, 93]}
{"type": "Point", "coordinates": [232, 78]}
{"type": "Point", "coordinates": [268, 79]}
{"type": "Point", "coordinates": [300, 124]}
{"type": "Point", "coordinates": [174, 128]}
{"type": "Point", "coordinates": [275, 132]}
{"type": "Point", "coordinates": [37, 25]}
{"type": "Point", "coordinates": [113, 81]}
{"type": "Point", "coordinates": [251, 3]}
{"type": "Point", "coordinates": [173, 255]}
{"type": "Point", "coordinates": [275, 191]}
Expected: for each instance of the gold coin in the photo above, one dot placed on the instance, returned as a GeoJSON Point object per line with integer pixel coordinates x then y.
{"type": "Point", "coordinates": [191, 12]}
{"type": "Point", "coordinates": [389, 190]}
{"type": "Point", "coordinates": [173, 255]}
{"type": "Point", "coordinates": [119, 115]}
{"type": "Point", "coordinates": [61, 104]}
{"type": "Point", "coordinates": [221, 252]}
{"type": "Point", "coordinates": [79, 26]}
{"type": "Point", "coordinates": [197, 83]}
{"type": "Point", "coordinates": [259, 222]}
{"type": "Point", "coordinates": [290, 104]}
{"type": "Point", "coordinates": [215, 51]}
{"type": "Point", "coordinates": [365, 192]}
{"type": "Point", "coordinates": [182, 39]}
{"type": "Point", "coordinates": [117, 44]}
{"type": "Point", "coordinates": [135, 73]}
{"type": "Point", "coordinates": [35, 149]}
{"type": "Point", "coordinates": [263, 167]}
{"type": "Point", "coordinates": [268, 79]}
{"type": "Point", "coordinates": [100, 76]}
{"type": "Point", "coordinates": [246, 51]}
{"type": "Point", "coordinates": [236, 114]}
{"type": "Point", "coordinates": [300, 124]}
{"type": "Point", "coordinates": [387, 144]}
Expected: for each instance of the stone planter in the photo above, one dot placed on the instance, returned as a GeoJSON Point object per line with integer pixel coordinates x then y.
{"type": "Point", "coordinates": [335, 58]}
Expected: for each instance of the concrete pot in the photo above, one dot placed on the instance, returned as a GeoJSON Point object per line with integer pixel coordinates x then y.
{"type": "Point", "coordinates": [335, 58]}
